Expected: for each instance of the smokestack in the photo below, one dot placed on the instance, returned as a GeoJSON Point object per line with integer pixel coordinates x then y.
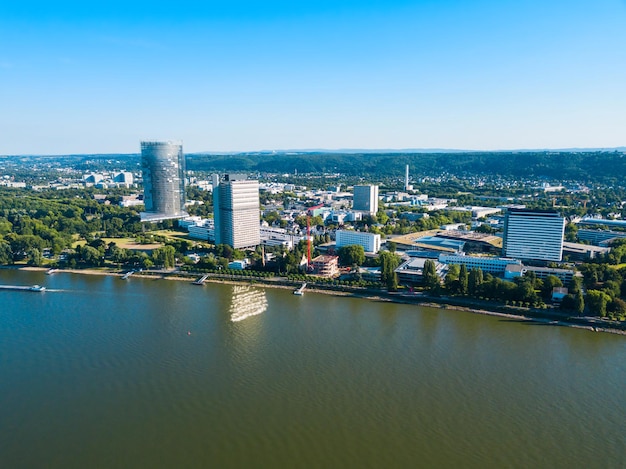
{"type": "Point", "coordinates": [406, 178]}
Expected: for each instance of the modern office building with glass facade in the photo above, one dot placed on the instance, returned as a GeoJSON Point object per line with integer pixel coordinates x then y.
{"type": "Point", "coordinates": [533, 235]}
{"type": "Point", "coordinates": [236, 211]}
{"type": "Point", "coordinates": [365, 199]}
{"type": "Point", "coordinates": [163, 169]}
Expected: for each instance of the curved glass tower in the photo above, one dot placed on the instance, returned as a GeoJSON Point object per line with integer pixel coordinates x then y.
{"type": "Point", "coordinates": [163, 168]}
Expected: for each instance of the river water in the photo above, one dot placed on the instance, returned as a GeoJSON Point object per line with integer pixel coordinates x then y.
{"type": "Point", "coordinates": [100, 372]}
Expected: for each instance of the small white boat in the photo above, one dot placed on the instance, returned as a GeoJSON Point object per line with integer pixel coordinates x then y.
{"type": "Point", "coordinates": [37, 288]}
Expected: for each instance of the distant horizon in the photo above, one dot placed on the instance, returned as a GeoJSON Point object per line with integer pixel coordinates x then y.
{"type": "Point", "coordinates": [339, 151]}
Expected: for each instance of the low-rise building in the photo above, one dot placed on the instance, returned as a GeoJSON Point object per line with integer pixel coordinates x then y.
{"type": "Point", "coordinates": [492, 265]}
{"type": "Point", "coordinates": [411, 272]}
{"type": "Point", "coordinates": [325, 266]}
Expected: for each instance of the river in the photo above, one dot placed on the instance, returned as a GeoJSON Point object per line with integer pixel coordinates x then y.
{"type": "Point", "coordinates": [145, 373]}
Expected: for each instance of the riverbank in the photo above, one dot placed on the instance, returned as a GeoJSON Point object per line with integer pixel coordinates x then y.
{"type": "Point", "coordinates": [452, 304]}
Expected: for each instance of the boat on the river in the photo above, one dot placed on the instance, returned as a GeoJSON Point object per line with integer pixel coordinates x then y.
{"type": "Point", "coordinates": [38, 288]}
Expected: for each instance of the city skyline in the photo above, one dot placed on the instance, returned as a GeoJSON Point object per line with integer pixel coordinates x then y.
{"type": "Point", "coordinates": [254, 76]}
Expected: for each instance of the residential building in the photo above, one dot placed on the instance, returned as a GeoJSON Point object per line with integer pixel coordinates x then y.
{"type": "Point", "coordinates": [369, 241]}
{"type": "Point", "coordinates": [236, 211]}
{"type": "Point", "coordinates": [365, 199]}
{"type": "Point", "coordinates": [163, 168]}
{"type": "Point", "coordinates": [533, 235]}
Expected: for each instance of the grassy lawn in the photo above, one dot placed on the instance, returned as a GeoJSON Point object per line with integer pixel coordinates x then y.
{"type": "Point", "coordinates": [125, 243]}
{"type": "Point", "coordinates": [129, 243]}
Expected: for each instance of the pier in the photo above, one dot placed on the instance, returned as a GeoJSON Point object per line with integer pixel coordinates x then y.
{"type": "Point", "coordinates": [201, 280]}
{"type": "Point", "coordinates": [300, 291]}
{"type": "Point", "coordinates": [127, 274]}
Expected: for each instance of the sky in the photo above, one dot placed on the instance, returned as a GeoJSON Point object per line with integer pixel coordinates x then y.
{"type": "Point", "coordinates": [245, 75]}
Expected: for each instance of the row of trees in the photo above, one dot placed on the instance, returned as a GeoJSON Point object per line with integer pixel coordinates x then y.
{"type": "Point", "coordinates": [527, 290]}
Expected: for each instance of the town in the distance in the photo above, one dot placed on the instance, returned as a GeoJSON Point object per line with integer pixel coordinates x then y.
{"type": "Point", "coordinates": [457, 229]}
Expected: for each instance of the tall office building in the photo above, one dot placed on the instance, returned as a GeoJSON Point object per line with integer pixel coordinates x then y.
{"type": "Point", "coordinates": [533, 235]}
{"type": "Point", "coordinates": [236, 211]}
{"type": "Point", "coordinates": [365, 199]}
{"type": "Point", "coordinates": [163, 168]}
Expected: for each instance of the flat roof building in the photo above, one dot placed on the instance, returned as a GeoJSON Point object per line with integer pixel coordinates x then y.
{"type": "Point", "coordinates": [325, 266]}
{"type": "Point", "coordinates": [369, 241]}
{"type": "Point", "coordinates": [492, 265]}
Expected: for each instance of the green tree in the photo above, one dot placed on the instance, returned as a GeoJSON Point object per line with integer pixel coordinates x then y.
{"type": "Point", "coordinates": [597, 301]}
{"type": "Point", "coordinates": [431, 279]}
{"type": "Point", "coordinates": [34, 257]}
{"type": "Point", "coordinates": [451, 281]}
{"type": "Point", "coordinates": [463, 280]}
{"type": "Point", "coordinates": [579, 305]}
{"type": "Point", "coordinates": [525, 291]}
{"type": "Point", "coordinates": [6, 254]}
{"type": "Point", "coordinates": [617, 306]}
{"type": "Point", "coordinates": [388, 264]}
{"type": "Point", "coordinates": [571, 232]}
{"type": "Point", "coordinates": [353, 254]}
{"type": "Point", "coordinates": [474, 281]}
{"type": "Point", "coordinates": [549, 284]}
{"type": "Point", "coordinates": [382, 217]}
{"type": "Point", "coordinates": [164, 256]}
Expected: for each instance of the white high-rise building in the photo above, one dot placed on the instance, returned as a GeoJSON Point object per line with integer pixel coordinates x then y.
{"type": "Point", "coordinates": [533, 235]}
{"type": "Point", "coordinates": [163, 170]}
{"type": "Point", "coordinates": [369, 241]}
{"type": "Point", "coordinates": [236, 211]}
{"type": "Point", "coordinates": [365, 199]}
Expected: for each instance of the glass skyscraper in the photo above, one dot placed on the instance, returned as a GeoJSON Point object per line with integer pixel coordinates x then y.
{"type": "Point", "coordinates": [365, 199]}
{"type": "Point", "coordinates": [163, 168]}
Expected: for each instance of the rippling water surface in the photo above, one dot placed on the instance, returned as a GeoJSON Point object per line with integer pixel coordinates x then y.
{"type": "Point", "coordinates": [153, 373]}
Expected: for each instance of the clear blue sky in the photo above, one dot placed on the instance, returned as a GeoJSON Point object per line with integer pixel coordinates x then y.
{"type": "Point", "coordinates": [99, 76]}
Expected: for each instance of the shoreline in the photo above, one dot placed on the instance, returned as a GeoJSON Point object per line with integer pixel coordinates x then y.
{"type": "Point", "coordinates": [589, 324]}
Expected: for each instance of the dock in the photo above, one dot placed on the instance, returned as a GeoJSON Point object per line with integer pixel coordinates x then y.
{"type": "Point", "coordinates": [201, 280]}
{"type": "Point", "coordinates": [127, 274]}
{"type": "Point", "coordinates": [300, 291]}
{"type": "Point", "coordinates": [51, 271]}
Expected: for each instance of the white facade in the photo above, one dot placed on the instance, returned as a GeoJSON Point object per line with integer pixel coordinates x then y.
{"type": "Point", "coordinates": [279, 237]}
{"type": "Point", "coordinates": [124, 177]}
{"type": "Point", "coordinates": [492, 265]}
{"type": "Point", "coordinates": [236, 211]}
{"type": "Point", "coordinates": [533, 235]}
{"type": "Point", "coordinates": [203, 229]}
{"type": "Point", "coordinates": [365, 199]}
{"type": "Point", "coordinates": [369, 241]}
